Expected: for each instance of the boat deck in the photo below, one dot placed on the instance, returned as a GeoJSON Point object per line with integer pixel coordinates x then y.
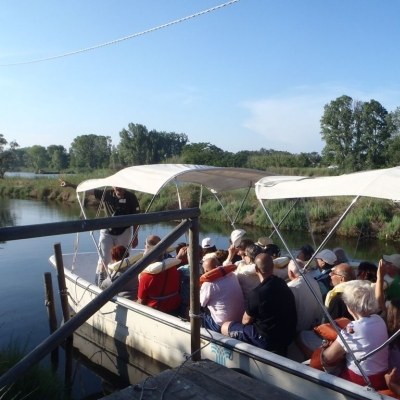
{"type": "Point", "coordinates": [201, 380]}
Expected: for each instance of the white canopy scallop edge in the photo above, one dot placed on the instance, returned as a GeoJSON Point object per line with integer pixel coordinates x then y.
{"type": "Point", "coordinates": [152, 178]}
{"type": "Point", "coordinates": [380, 183]}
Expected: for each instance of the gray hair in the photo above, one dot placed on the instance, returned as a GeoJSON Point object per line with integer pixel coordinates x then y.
{"type": "Point", "coordinates": [359, 297]}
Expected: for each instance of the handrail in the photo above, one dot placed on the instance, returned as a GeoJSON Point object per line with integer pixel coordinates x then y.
{"type": "Point", "coordinates": [190, 221]}
{"type": "Point", "coordinates": [85, 225]}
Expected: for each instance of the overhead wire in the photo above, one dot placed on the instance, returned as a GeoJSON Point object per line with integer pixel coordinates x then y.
{"type": "Point", "coordinates": [134, 35]}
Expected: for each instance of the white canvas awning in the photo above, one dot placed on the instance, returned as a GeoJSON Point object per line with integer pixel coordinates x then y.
{"type": "Point", "coordinates": [152, 178]}
{"type": "Point", "coordinates": [380, 183]}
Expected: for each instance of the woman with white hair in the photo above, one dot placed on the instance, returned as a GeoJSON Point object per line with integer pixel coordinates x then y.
{"type": "Point", "coordinates": [367, 332]}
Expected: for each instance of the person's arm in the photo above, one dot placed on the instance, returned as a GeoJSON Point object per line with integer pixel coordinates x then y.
{"type": "Point", "coordinates": [246, 319]}
{"type": "Point", "coordinates": [232, 251]}
{"type": "Point", "coordinates": [205, 294]}
{"type": "Point", "coordinates": [333, 354]}
{"type": "Point", "coordinates": [379, 292]}
{"type": "Point", "coordinates": [392, 381]}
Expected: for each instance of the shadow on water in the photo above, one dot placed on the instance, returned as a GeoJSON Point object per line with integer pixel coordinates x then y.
{"type": "Point", "coordinates": [115, 365]}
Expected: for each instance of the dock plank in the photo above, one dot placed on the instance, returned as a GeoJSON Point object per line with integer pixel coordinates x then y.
{"type": "Point", "coordinates": [203, 380]}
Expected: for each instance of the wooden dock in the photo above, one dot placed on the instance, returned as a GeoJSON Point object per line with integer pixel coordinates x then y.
{"type": "Point", "coordinates": [201, 380]}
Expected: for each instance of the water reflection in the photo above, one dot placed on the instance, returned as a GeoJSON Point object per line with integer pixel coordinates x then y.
{"type": "Point", "coordinates": [116, 365]}
{"type": "Point", "coordinates": [7, 215]}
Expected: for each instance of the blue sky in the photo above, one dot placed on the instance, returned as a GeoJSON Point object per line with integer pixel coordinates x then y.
{"type": "Point", "coordinates": [256, 73]}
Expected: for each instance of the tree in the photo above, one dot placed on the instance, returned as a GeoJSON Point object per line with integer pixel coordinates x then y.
{"type": "Point", "coordinates": [395, 120]}
{"type": "Point", "coordinates": [58, 156]}
{"type": "Point", "coordinates": [356, 133]}
{"type": "Point", "coordinates": [7, 155]}
{"type": "Point", "coordinates": [203, 153]}
{"type": "Point", "coordinates": [90, 151]}
{"type": "Point", "coordinates": [376, 129]}
{"type": "Point", "coordinates": [139, 146]}
{"type": "Point", "coordinates": [38, 158]}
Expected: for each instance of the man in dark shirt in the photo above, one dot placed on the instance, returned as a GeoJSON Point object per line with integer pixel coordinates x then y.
{"type": "Point", "coordinates": [270, 318]}
{"type": "Point", "coordinates": [116, 201]}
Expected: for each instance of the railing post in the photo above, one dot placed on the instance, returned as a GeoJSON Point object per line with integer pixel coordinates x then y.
{"type": "Point", "coordinates": [51, 312]}
{"type": "Point", "coordinates": [61, 281]}
{"type": "Point", "coordinates": [194, 261]}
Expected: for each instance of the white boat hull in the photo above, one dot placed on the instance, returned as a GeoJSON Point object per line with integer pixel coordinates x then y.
{"type": "Point", "coordinates": [167, 339]}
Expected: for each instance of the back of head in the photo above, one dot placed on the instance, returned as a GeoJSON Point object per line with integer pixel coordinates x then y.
{"type": "Point", "coordinates": [222, 255]}
{"type": "Point", "coordinates": [305, 252]}
{"type": "Point", "coordinates": [346, 271]}
{"type": "Point", "coordinates": [152, 240]}
{"type": "Point", "coordinates": [293, 269]}
{"type": "Point", "coordinates": [265, 264]}
{"type": "Point", "coordinates": [253, 250]}
{"type": "Point", "coordinates": [367, 271]}
{"type": "Point", "coordinates": [244, 243]}
{"type": "Point", "coordinates": [359, 297]}
{"type": "Point", "coordinates": [210, 263]}
{"type": "Point", "coordinates": [118, 253]}
{"type": "Point", "coordinates": [273, 250]}
{"type": "Point", "coordinates": [341, 256]}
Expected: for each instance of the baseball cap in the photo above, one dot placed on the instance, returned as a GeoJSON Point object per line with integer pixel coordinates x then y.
{"type": "Point", "coordinates": [328, 256]}
{"type": "Point", "coordinates": [236, 236]}
{"type": "Point", "coordinates": [206, 243]}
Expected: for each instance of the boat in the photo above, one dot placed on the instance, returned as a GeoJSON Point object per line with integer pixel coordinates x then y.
{"type": "Point", "coordinates": [167, 339]}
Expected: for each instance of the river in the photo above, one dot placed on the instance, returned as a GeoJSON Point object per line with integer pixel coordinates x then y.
{"type": "Point", "coordinates": [24, 262]}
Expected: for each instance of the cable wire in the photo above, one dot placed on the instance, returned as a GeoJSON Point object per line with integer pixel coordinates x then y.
{"type": "Point", "coordinates": [134, 35]}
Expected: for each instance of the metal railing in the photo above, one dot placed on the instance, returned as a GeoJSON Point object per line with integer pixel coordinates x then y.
{"type": "Point", "coordinates": [190, 221]}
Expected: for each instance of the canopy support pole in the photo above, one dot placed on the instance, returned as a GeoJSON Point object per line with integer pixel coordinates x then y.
{"type": "Point", "coordinates": [331, 232]}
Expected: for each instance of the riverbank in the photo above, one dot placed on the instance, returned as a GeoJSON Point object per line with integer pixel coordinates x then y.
{"type": "Point", "coordinates": [370, 218]}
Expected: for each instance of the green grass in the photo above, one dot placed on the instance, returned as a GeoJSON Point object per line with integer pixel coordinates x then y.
{"type": "Point", "coordinates": [38, 383]}
{"type": "Point", "coordinates": [369, 217]}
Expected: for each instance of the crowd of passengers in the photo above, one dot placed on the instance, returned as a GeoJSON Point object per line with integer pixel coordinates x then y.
{"type": "Point", "coordinates": [250, 293]}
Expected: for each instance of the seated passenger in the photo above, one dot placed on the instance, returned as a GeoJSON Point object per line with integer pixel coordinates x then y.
{"type": "Point", "coordinates": [309, 311]}
{"type": "Point", "coordinates": [308, 340]}
{"type": "Point", "coordinates": [222, 297]}
{"type": "Point", "coordinates": [118, 253]}
{"type": "Point", "coordinates": [208, 246]}
{"type": "Point", "coordinates": [367, 271]}
{"type": "Point", "coordinates": [233, 250]}
{"type": "Point", "coordinates": [246, 270]}
{"type": "Point", "coordinates": [270, 319]}
{"type": "Point", "coordinates": [367, 332]}
{"type": "Point", "coordinates": [325, 260]}
{"type": "Point", "coordinates": [305, 253]}
{"type": "Point", "coordinates": [159, 283]}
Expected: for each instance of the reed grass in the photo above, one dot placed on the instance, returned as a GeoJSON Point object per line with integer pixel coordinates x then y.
{"type": "Point", "coordinates": [369, 218]}
{"type": "Point", "coordinates": [38, 383]}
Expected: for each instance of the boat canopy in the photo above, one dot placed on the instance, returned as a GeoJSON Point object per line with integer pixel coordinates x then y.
{"type": "Point", "coordinates": [379, 183]}
{"type": "Point", "coordinates": [152, 178]}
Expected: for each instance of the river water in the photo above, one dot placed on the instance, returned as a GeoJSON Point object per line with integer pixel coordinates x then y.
{"type": "Point", "coordinates": [23, 263]}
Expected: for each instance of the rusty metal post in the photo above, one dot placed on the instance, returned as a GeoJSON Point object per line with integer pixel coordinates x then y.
{"type": "Point", "coordinates": [51, 312]}
{"type": "Point", "coordinates": [61, 282]}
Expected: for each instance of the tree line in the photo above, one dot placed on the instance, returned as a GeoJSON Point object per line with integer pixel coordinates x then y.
{"type": "Point", "coordinates": [358, 135]}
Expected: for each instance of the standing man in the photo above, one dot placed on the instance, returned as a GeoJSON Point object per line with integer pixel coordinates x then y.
{"type": "Point", "coordinates": [117, 201]}
{"type": "Point", "coordinates": [270, 318]}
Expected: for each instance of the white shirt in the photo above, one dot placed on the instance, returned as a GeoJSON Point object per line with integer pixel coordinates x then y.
{"type": "Point", "coordinates": [363, 336]}
{"type": "Point", "coordinates": [247, 276]}
{"type": "Point", "coordinates": [309, 312]}
{"type": "Point", "coordinates": [224, 299]}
